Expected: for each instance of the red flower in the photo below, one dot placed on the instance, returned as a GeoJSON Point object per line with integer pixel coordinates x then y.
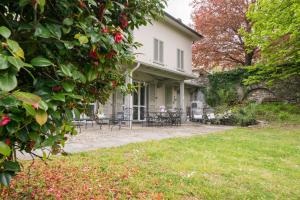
{"type": "Point", "coordinates": [111, 54]}
{"type": "Point", "coordinates": [5, 120]}
{"type": "Point", "coordinates": [93, 54]}
{"type": "Point", "coordinates": [57, 88]}
{"type": "Point", "coordinates": [7, 141]}
{"type": "Point", "coordinates": [118, 37]}
{"type": "Point", "coordinates": [105, 30]}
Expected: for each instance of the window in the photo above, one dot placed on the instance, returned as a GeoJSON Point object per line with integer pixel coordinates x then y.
{"type": "Point", "coordinates": [180, 59]}
{"type": "Point", "coordinates": [158, 51]}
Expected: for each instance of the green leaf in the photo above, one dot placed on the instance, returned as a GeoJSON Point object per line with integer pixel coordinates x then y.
{"type": "Point", "coordinates": [92, 2]}
{"type": "Point", "coordinates": [27, 98]}
{"type": "Point", "coordinates": [81, 38]}
{"type": "Point", "coordinates": [42, 5]}
{"type": "Point", "coordinates": [41, 62]}
{"type": "Point", "coordinates": [55, 30]}
{"type": "Point", "coordinates": [43, 105]}
{"type": "Point", "coordinates": [59, 97]}
{"type": "Point", "coordinates": [68, 21]}
{"type": "Point", "coordinates": [41, 117]}
{"type": "Point", "coordinates": [8, 82]}
{"type": "Point", "coordinates": [3, 62]}
{"type": "Point", "coordinates": [17, 62]}
{"type": "Point", "coordinates": [23, 3]}
{"type": "Point", "coordinates": [42, 31]}
{"type": "Point", "coordinates": [77, 113]}
{"type": "Point", "coordinates": [5, 178]}
{"type": "Point", "coordinates": [68, 86]}
{"type": "Point", "coordinates": [29, 109]}
{"type": "Point", "coordinates": [79, 76]}
{"type": "Point", "coordinates": [66, 69]}
{"type": "Point", "coordinates": [68, 45]}
{"type": "Point", "coordinates": [4, 149]}
{"type": "Point", "coordinates": [91, 75]}
{"type": "Point", "coordinates": [35, 137]}
{"type": "Point", "coordinates": [44, 156]}
{"type": "Point", "coordinates": [11, 166]}
{"type": "Point", "coordinates": [5, 32]}
{"type": "Point", "coordinates": [15, 48]}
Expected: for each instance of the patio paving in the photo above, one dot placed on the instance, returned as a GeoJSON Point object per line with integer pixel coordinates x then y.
{"type": "Point", "coordinates": [93, 138]}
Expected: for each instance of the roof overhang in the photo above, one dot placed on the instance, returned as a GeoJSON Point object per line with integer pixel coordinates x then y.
{"type": "Point", "coordinates": [164, 72]}
{"type": "Point", "coordinates": [181, 26]}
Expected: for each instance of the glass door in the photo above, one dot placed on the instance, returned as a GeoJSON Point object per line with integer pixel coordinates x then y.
{"type": "Point", "coordinates": [139, 102]}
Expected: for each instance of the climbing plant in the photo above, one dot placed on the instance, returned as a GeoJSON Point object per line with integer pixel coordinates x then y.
{"type": "Point", "coordinates": [223, 87]}
{"type": "Point", "coordinates": [57, 57]}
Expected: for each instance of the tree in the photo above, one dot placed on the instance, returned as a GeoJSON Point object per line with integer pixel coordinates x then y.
{"type": "Point", "coordinates": [219, 21]}
{"type": "Point", "coordinates": [56, 57]}
{"type": "Point", "coordinates": [276, 31]}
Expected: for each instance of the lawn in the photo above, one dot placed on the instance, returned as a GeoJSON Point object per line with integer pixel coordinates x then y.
{"type": "Point", "coordinates": [243, 163]}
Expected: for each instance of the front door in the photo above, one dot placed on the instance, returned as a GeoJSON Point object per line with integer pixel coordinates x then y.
{"type": "Point", "coordinates": [139, 102]}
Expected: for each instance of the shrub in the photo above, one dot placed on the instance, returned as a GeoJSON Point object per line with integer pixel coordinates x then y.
{"type": "Point", "coordinates": [57, 57]}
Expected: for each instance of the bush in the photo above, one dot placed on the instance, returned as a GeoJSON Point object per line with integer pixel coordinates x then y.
{"type": "Point", "coordinates": [245, 116]}
{"type": "Point", "coordinates": [57, 57]}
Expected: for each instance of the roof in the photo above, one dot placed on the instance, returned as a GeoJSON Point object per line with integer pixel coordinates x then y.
{"type": "Point", "coordinates": [178, 23]}
{"type": "Point", "coordinates": [165, 72]}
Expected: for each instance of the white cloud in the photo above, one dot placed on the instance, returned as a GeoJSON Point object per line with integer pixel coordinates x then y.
{"type": "Point", "coordinates": [180, 9]}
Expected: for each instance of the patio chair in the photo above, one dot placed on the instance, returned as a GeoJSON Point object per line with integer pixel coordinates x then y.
{"type": "Point", "coordinates": [89, 116]}
{"type": "Point", "coordinates": [152, 119]}
{"type": "Point", "coordinates": [77, 122]}
{"type": "Point", "coordinates": [175, 118]}
{"type": "Point", "coordinates": [121, 118]}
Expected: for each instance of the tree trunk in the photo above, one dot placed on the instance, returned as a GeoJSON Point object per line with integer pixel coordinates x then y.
{"type": "Point", "coordinates": [249, 58]}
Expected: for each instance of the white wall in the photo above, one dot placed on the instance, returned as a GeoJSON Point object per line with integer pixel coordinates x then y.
{"type": "Point", "coordinates": [173, 39]}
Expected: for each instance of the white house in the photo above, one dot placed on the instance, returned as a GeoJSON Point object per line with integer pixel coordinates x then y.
{"type": "Point", "coordinates": [162, 70]}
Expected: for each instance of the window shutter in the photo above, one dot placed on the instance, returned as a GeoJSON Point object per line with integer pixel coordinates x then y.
{"type": "Point", "coordinates": [155, 50]}
{"type": "Point", "coordinates": [182, 60]}
{"type": "Point", "coordinates": [178, 59]}
{"type": "Point", "coordinates": [161, 52]}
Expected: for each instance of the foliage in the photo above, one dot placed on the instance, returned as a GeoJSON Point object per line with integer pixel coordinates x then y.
{"type": "Point", "coordinates": [276, 32]}
{"type": "Point", "coordinates": [223, 87]}
{"type": "Point", "coordinates": [57, 57]}
{"type": "Point", "coordinates": [245, 116]}
{"type": "Point", "coordinates": [222, 46]}
{"type": "Point", "coordinates": [242, 163]}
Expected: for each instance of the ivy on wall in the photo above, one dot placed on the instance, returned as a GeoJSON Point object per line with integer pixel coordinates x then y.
{"type": "Point", "coordinates": [223, 87]}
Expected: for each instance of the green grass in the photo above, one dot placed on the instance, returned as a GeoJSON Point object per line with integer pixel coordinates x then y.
{"type": "Point", "coordinates": [278, 112]}
{"type": "Point", "coordinates": [282, 113]}
{"type": "Point", "coordinates": [243, 163]}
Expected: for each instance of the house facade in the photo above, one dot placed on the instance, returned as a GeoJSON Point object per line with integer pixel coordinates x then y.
{"type": "Point", "coordinates": [162, 71]}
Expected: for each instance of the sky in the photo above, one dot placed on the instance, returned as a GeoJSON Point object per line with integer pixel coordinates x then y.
{"type": "Point", "coordinates": [180, 9]}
